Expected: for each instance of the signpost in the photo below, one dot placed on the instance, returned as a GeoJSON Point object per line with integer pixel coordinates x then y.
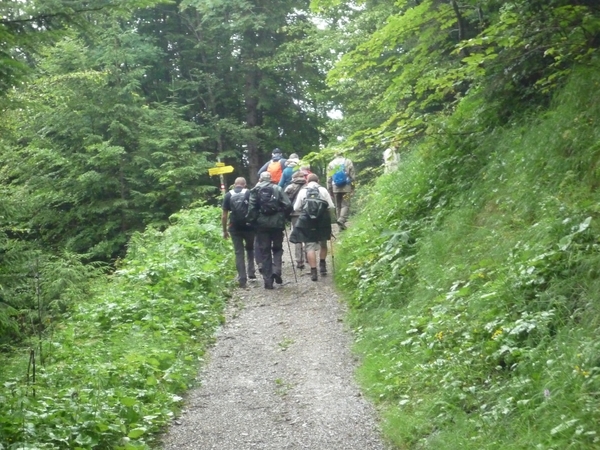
{"type": "Point", "coordinates": [221, 169]}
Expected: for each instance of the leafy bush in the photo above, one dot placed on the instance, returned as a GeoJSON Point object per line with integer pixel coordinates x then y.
{"type": "Point", "coordinates": [116, 366]}
{"type": "Point", "coordinates": [473, 282]}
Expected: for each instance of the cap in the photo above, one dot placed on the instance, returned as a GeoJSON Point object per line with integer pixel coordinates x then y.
{"type": "Point", "coordinates": [276, 150]}
{"type": "Point", "coordinates": [265, 176]}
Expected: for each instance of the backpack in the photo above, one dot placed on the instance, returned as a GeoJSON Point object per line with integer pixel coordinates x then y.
{"type": "Point", "coordinates": [238, 204]}
{"type": "Point", "coordinates": [293, 189]}
{"type": "Point", "coordinates": [268, 201]}
{"type": "Point", "coordinates": [340, 177]}
{"type": "Point", "coordinates": [275, 169]}
{"type": "Point", "coordinates": [314, 206]}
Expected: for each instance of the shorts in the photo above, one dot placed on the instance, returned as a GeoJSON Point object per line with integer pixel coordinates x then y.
{"type": "Point", "coordinates": [315, 246]}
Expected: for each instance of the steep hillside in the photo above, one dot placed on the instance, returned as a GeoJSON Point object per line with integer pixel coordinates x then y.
{"type": "Point", "coordinates": [473, 274]}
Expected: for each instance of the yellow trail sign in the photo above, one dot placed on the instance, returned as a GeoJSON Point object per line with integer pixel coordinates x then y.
{"type": "Point", "coordinates": [220, 170]}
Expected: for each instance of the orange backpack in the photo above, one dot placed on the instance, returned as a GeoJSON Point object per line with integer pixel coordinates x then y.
{"type": "Point", "coordinates": [275, 169]}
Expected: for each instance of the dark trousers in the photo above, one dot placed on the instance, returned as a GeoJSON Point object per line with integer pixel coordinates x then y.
{"type": "Point", "coordinates": [270, 246]}
{"type": "Point", "coordinates": [243, 246]}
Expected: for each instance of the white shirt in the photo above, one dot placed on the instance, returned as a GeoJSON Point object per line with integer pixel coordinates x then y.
{"type": "Point", "coordinates": [323, 194]}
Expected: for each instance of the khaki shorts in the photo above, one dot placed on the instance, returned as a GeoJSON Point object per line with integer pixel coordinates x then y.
{"type": "Point", "coordinates": [315, 246]}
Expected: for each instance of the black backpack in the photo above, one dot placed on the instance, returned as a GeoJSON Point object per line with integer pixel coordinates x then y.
{"type": "Point", "coordinates": [268, 201]}
{"type": "Point", "coordinates": [238, 205]}
{"type": "Point", "coordinates": [314, 206]}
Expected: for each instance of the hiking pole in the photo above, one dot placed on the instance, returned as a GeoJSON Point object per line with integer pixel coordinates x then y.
{"type": "Point", "coordinates": [291, 257]}
{"type": "Point", "coordinates": [332, 257]}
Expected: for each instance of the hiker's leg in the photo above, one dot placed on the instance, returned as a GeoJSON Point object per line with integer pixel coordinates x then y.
{"type": "Point", "coordinates": [264, 248]}
{"type": "Point", "coordinates": [322, 257]}
{"type": "Point", "coordinates": [337, 199]}
{"type": "Point", "coordinates": [277, 237]}
{"type": "Point", "coordinates": [238, 248]}
{"type": "Point", "coordinates": [311, 253]}
{"type": "Point", "coordinates": [249, 237]}
{"type": "Point", "coordinates": [298, 253]}
{"type": "Point", "coordinates": [344, 201]}
{"type": "Point", "coordinates": [257, 254]}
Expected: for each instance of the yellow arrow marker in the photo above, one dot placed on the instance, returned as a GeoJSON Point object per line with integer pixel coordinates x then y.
{"type": "Point", "coordinates": [220, 170]}
{"type": "Point", "coordinates": [220, 164]}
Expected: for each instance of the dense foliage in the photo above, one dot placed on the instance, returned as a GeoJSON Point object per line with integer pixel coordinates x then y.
{"type": "Point", "coordinates": [109, 373]}
{"type": "Point", "coordinates": [472, 276]}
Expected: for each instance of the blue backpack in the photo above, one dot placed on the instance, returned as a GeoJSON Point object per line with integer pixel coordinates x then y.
{"type": "Point", "coordinates": [340, 178]}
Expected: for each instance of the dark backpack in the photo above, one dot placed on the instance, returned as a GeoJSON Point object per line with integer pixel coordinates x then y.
{"type": "Point", "coordinates": [238, 204]}
{"type": "Point", "coordinates": [293, 189]}
{"type": "Point", "coordinates": [314, 206]}
{"type": "Point", "coordinates": [340, 177]}
{"type": "Point", "coordinates": [268, 201]}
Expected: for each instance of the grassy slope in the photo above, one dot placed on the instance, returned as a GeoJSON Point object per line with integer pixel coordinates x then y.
{"type": "Point", "coordinates": [115, 366]}
{"type": "Point", "coordinates": [473, 279]}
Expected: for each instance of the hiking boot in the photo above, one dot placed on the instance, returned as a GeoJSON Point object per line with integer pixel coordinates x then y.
{"type": "Point", "coordinates": [300, 266]}
{"type": "Point", "coordinates": [322, 267]}
{"type": "Point", "coordinates": [277, 278]}
{"type": "Point", "coordinates": [268, 285]}
{"type": "Point", "coordinates": [342, 226]}
{"type": "Point", "coordinates": [252, 277]}
{"type": "Point", "coordinates": [243, 284]}
{"type": "Point", "coordinates": [314, 276]}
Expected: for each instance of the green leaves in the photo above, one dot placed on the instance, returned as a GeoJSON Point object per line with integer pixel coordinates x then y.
{"type": "Point", "coordinates": [115, 366]}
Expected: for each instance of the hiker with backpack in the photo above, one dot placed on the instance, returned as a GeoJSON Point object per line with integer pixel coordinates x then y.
{"type": "Point", "coordinates": [275, 166]}
{"type": "Point", "coordinates": [313, 227]}
{"type": "Point", "coordinates": [341, 175]}
{"type": "Point", "coordinates": [292, 165]}
{"type": "Point", "coordinates": [268, 208]}
{"type": "Point", "coordinates": [298, 182]}
{"type": "Point", "coordinates": [235, 208]}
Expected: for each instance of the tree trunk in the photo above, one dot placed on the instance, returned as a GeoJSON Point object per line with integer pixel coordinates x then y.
{"type": "Point", "coordinates": [253, 123]}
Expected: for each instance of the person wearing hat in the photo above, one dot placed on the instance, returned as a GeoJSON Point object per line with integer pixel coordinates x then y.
{"type": "Point", "coordinates": [268, 207]}
{"type": "Point", "coordinates": [291, 166]}
{"type": "Point", "coordinates": [275, 166]}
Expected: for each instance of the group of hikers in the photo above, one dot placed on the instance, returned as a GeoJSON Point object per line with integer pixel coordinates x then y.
{"type": "Point", "coordinates": [256, 218]}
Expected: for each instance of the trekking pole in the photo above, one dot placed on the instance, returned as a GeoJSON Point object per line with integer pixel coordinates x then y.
{"type": "Point", "coordinates": [332, 257]}
{"type": "Point", "coordinates": [291, 257]}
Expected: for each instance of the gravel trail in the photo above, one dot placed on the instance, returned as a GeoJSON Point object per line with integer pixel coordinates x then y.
{"type": "Point", "coordinates": [280, 376]}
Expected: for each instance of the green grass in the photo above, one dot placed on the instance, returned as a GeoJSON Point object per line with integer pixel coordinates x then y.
{"type": "Point", "coordinates": [116, 366]}
{"type": "Point", "coordinates": [473, 280]}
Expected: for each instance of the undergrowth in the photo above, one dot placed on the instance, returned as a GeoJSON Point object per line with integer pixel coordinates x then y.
{"type": "Point", "coordinates": [473, 280]}
{"type": "Point", "coordinates": [116, 366]}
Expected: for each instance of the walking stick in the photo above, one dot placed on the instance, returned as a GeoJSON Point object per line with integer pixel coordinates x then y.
{"type": "Point", "coordinates": [291, 257]}
{"type": "Point", "coordinates": [332, 257]}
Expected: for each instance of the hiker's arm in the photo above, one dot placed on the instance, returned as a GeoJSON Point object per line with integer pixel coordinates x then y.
{"type": "Point", "coordinates": [299, 200]}
{"type": "Point", "coordinates": [287, 205]}
{"type": "Point", "coordinates": [263, 168]}
{"type": "Point", "coordinates": [252, 210]}
{"type": "Point", "coordinates": [351, 171]}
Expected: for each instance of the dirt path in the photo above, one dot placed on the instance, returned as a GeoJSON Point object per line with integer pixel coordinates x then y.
{"type": "Point", "coordinates": [280, 376]}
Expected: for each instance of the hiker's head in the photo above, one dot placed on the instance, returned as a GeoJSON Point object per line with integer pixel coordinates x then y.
{"type": "Point", "coordinates": [240, 181]}
{"type": "Point", "coordinates": [293, 160]}
{"type": "Point", "coordinates": [265, 176]}
{"type": "Point", "coordinates": [276, 154]}
{"type": "Point", "coordinates": [298, 174]}
{"type": "Point", "coordinates": [312, 177]}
